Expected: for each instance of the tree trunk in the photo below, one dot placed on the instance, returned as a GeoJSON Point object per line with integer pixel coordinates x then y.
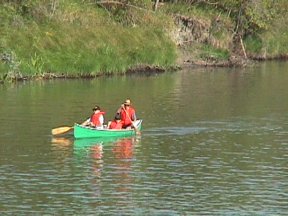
{"type": "Point", "coordinates": [156, 5]}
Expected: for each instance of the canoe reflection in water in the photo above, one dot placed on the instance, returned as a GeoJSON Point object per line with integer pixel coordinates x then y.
{"type": "Point", "coordinates": [90, 152]}
{"type": "Point", "coordinates": [123, 148]}
{"type": "Point", "coordinates": [89, 156]}
{"type": "Point", "coordinates": [124, 151]}
{"type": "Point", "coordinates": [95, 148]}
{"type": "Point", "coordinates": [96, 153]}
{"type": "Point", "coordinates": [61, 149]}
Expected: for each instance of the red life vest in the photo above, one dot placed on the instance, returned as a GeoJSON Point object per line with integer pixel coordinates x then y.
{"type": "Point", "coordinates": [127, 118]}
{"type": "Point", "coordinates": [95, 118]}
{"type": "Point", "coordinates": [116, 125]}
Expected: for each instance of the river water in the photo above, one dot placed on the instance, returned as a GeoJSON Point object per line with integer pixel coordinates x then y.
{"type": "Point", "coordinates": [214, 142]}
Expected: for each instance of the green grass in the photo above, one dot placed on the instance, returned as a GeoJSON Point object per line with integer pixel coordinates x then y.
{"type": "Point", "coordinates": [211, 53]}
{"type": "Point", "coordinates": [271, 43]}
{"type": "Point", "coordinates": [253, 44]}
{"type": "Point", "coordinates": [276, 37]}
{"type": "Point", "coordinates": [81, 40]}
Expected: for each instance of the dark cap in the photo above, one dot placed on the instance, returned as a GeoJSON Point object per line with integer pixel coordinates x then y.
{"type": "Point", "coordinates": [96, 108]}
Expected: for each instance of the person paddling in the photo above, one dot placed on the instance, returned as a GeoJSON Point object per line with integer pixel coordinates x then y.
{"type": "Point", "coordinates": [127, 113]}
{"type": "Point", "coordinates": [96, 119]}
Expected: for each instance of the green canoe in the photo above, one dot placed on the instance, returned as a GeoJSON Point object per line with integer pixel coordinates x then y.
{"type": "Point", "coordinates": [88, 132]}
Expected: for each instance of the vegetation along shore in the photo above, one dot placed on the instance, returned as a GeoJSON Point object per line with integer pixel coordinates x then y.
{"type": "Point", "coordinates": [90, 38]}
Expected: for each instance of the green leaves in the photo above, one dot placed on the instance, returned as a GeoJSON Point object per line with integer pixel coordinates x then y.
{"type": "Point", "coordinates": [36, 64]}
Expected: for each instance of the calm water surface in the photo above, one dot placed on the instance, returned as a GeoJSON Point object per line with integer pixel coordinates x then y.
{"type": "Point", "coordinates": [214, 142]}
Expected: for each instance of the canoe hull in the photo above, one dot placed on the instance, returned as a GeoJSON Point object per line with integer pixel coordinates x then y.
{"type": "Point", "coordinates": [87, 132]}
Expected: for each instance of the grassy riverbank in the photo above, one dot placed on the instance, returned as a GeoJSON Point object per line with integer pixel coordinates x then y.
{"type": "Point", "coordinates": [228, 32]}
{"type": "Point", "coordinates": [79, 40]}
{"type": "Point", "coordinates": [84, 38]}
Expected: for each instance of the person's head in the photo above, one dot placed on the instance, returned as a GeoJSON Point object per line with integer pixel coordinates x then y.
{"type": "Point", "coordinates": [96, 108]}
{"type": "Point", "coordinates": [127, 102]}
{"type": "Point", "coordinates": [117, 117]}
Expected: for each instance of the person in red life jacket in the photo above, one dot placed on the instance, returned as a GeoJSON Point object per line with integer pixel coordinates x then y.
{"type": "Point", "coordinates": [127, 113]}
{"type": "Point", "coordinates": [96, 119]}
{"type": "Point", "coordinates": [116, 123]}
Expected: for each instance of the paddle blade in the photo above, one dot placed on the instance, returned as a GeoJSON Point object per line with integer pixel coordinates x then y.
{"type": "Point", "coordinates": [135, 127]}
{"type": "Point", "coordinates": [61, 130]}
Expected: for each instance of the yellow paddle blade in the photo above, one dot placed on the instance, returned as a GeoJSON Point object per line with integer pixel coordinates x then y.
{"type": "Point", "coordinates": [61, 130]}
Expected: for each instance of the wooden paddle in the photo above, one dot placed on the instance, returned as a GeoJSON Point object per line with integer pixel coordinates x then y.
{"type": "Point", "coordinates": [64, 129]}
{"type": "Point", "coordinates": [61, 130]}
{"type": "Point", "coordinates": [134, 126]}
